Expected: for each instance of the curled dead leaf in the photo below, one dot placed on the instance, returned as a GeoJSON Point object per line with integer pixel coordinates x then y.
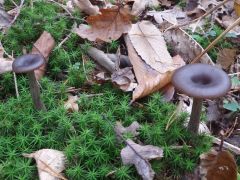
{"type": "Point", "coordinates": [43, 46]}
{"type": "Point", "coordinates": [50, 163]}
{"type": "Point", "coordinates": [139, 156]}
{"type": "Point", "coordinates": [149, 80]}
{"type": "Point", "coordinates": [107, 26]}
{"type": "Point", "coordinates": [124, 79]}
{"type": "Point", "coordinates": [71, 104]}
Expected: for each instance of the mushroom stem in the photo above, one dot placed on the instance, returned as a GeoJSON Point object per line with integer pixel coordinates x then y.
{"type": "Point", "coordinates": [35, 92]}
{"type": "Point", "coordinates": [193, 124]}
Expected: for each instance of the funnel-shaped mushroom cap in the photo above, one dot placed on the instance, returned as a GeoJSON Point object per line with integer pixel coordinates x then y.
{"type": "Point", "coordinates": [201, 81]}
{"type": "Point", "coordinates": [27, 63]}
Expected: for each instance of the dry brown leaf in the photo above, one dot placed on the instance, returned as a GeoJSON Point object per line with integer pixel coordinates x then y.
{"type": "Point", "coordinates": [218, 166]}
{"type": "Point", "coordinates": [50, 163]}
{"type": "Point", "coordinates": [71, 104]}
{"type": "Point", "coordinates": [124, 79]}
{"type": "Point", "coordinates": [120, 130]}
{"type": "Point", "coordinates": [149, 80]}
{"type": "Point", "coordinates": [237, 7]}
{"type": "Point", "coordinates": [149, 43]}
{"type": "Point", "coordinates": [107, 26]}
{"type": "Point", "coordinates": [185, 45]}
{"type": "Point", "coordinates": [140, 5]}
{"type": "Point", "coordinates": [86, 6]}
{"type": "Point", "coordinates": [226, 57]}
{"type": "Point", "coordinates": [166, 3]}
{"type": "Point", "coordinates": [43, 46]}
{"type": "Point", "coordinates": [140, 156]}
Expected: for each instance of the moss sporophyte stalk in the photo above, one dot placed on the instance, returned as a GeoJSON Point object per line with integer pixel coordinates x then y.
{"type": "Point", "coordinates": [88, 141]}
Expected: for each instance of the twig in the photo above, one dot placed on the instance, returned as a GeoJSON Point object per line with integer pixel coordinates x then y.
{"type": "Point", "coordinates": [64, 40]}
{"type": "Point", "coordinates": [62, 6]}
{"type": "Point", "coordinates": [200, 18]}
{"type": "Point", "coordinates": [233, 74]}
{"type": "Point", "coordinates": [216, 40]}
{"type": "Point", "coordinates": [18, 12]}
{"type": "Point", "coordinates": [84, 69]}
{"type": "Point", "coordinates": [227, 145]}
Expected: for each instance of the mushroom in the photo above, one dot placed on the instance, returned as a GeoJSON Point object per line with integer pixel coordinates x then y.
{"type": "Point", "coordinates": [27, 64]}
{"type": "Point", "coordinates": [200, 81]}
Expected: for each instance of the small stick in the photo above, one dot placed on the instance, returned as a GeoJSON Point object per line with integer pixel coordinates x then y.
{"type": "Point", "coordinates": [227, 145]}
{"type": "Point", "coordinates": [15, 83]}
{"type": "Point", "coordinates": [215, 41]}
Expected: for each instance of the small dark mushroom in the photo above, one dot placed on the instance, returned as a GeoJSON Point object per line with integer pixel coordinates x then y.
{"type": "Point", "coordinates": [27, 64]}
{"type": "Point", "coordinates": [200, 81]}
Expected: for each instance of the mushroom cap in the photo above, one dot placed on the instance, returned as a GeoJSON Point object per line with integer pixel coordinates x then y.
{"type": "Point", "coordinates": [27, 63]}
{"type": "Point", "coordinates": [201, 81]}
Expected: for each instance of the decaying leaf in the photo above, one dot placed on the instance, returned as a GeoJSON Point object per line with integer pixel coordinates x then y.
{"type": "Point", "coordinates": [50, 163]}
{"type": "Point", "coordinates": [86, 6]}
{"type": "Point", "coordinates": [185, 46]}
{"type": "Point", "coordinates": [140, 156]}
{"type": "Point", "coordinates": [149, 43]}
{"type": "Point", "coordinates": [120, 130]}
{"type": "Point", "coordinates": [43, 46]}
{"type": "Point", "coordinates": [149, 80]}
{"type": "Point", "coordinates": [140, 5]}
{"type": "Point", "coordinates": [5, 18]}
{"type": "Point", "coordinates": [124, 79]}
{"type": "Point", "coordinates": [107, 26]}
{"type": "Point", "coordinates": [170, 15]}
{"type": "Point", "coordinates": [71, 104]}
{"type": "Point", "coordinates": [226, 57]}
{"type": "Point", "coordinates": [218, 166]}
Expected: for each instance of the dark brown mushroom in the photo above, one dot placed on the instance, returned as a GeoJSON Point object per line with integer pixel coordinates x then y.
{"type": "Point", "coordinates": [200, 81]}
{"type": "Point", "coordinates": [27, 64]}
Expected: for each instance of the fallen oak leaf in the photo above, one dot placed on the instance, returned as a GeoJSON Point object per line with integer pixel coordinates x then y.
{"type": "Point", "coordinates": [124, 79]}
{"type": "Point", "coordinates": [120, 130]}
{"type": "Point", "coordinates": [139, 156]}
{"type": "Point", "coordinates": [5, 65]}
{"type": "Point", "coordinates": [43, 46]}
{"type": "Point", "coordinates": [50, 163]}
{"type": "Point", "coordinates": [71, 104]}
{"type": "Point", "coordinates": [218, 166]}
{"type": "Point", "coordinates": [149, 80]}
{"type": "Point", "coordinates": [149, 43]}
{"type": "Point", "coordinates": [107, 26]}
{"type": "Point", "coordinates": [86, 6]}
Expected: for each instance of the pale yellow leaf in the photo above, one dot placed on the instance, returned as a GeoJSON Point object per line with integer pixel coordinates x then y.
{"type": "Point", "coordinates": [86, 6]}
{"type": "Point", "coordinates": [71, 104]}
